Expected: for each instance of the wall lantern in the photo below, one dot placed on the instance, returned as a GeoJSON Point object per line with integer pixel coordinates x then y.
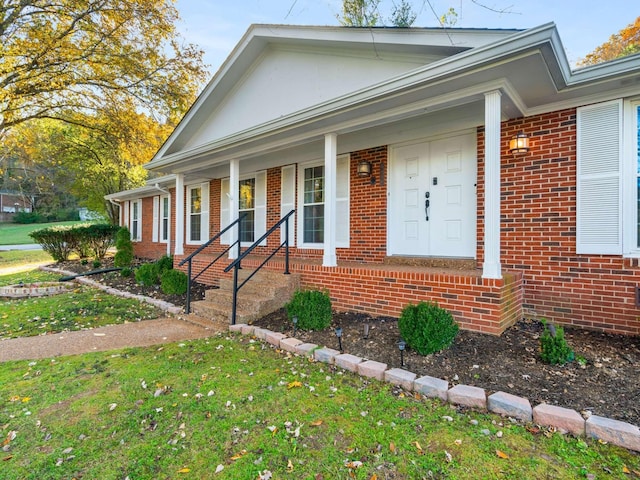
{"type": "Point", "coordinates": [364, 169]}
{"type": "Point", "coordinates": [519, 144]}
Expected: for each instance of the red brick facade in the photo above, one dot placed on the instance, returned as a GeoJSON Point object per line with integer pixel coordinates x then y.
{"type": "Point", "coordinates": [543, 276]}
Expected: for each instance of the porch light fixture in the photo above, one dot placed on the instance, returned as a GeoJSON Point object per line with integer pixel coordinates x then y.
{"type": "Point", "coordinates": [339, 335]}
{"type": "Point", "coordinates": [519, 144]}
{"type": "Point", "coordinates": [366, 331]}
{"type": "Point", "coordinates": [401, 346]}
{"type": "Point", "coordinates": [364, 169]}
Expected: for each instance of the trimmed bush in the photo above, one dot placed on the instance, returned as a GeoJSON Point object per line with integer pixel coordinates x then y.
{"type": "Point", "coordinates": [164, 263]}
{"type": "Point", "coordinates": [26, 218]}
{"type": "Point", "coordinates": [148, 274]}
{"type": "Point", "coordinates": [124, 248]}
{"type": "Point", "coordinates": [174, 282]}
{"type": "Point", "coordinates": [56, 241]}
{"type": "Point", "coordinates": [427, 328]}
{"type": "Point", "coordinates": [126, 272]}
{"type": "Point", "coordinates": [100, 237]}
{"type": "Point", "coordinates": [313, 309]}
{"type": "Point", "coordinates": [554, 349]}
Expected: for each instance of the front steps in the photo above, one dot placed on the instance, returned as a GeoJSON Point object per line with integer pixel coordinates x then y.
{"type": "Point", "coordinates": [266, 292]}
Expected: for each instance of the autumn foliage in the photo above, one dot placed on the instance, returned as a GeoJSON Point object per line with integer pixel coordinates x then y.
{"type": "Point", "coordinates": [625, 42]}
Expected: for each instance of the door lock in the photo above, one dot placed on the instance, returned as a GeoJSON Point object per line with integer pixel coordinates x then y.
{"type": "Point", "coordinates": [426, 205]}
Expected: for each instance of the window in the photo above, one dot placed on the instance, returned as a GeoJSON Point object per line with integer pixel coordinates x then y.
{"type": "Point", "coordinates": [313, 205]}
{"type": "Point", "coordinates": [311, 199]}
{"type": "Point", "coordinates": [135, 218]}
{"type": "Point", "coordinates": [164, 218]}
{"type": "Point", "coordinates": [252, 201]}
{"type": "Point", "coordinates": [197, 213]}
{"type": "Point", "coordinates": [247, 207]}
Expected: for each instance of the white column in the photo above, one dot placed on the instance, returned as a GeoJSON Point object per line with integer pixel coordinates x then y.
{"type": "Point", "coordinates": [491, 267]}
{"type": "Point", "coordinates": [179, 247]}
{"type": "Point", "coordinates": [329, 258]}
{"type": "Point", "coordinates": [234, 195]}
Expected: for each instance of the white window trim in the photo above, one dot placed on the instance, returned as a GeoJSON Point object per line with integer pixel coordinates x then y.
{"type": "Point", "coordinates": [138, 237]}
{"type": "Point", "coordinates": [343, 203]}
{"type": "Point", "coordinates": [301, 168]}
{"type": "Point", "coordinates": [161, 218]}
{"type": "Point", "coordinates": [630, 175]}
{"type": "Point", "coordinates": [204, 213]}
{"type": "Point", "coordinates": [260, 207]}
{"type": "Point", "coordinates": [156, 210]}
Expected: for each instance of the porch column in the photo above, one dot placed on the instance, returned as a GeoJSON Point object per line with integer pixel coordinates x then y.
{"type": "Point", "coordinates": [234, 195]}
{"type": "Point", "coordinates": [491, 267]}
{"type": "Point", "coordinates": [179, 248]}
{"type": "Point", "coordinates": [330, 166]}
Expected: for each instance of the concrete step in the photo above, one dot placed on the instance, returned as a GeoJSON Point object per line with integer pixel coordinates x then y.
{"type": "Point", "coordinates": [264, 282]}
{"type": "Point", "coordinates": [206, 322]}
{"type": "Point", "coordinates": [220, 314]}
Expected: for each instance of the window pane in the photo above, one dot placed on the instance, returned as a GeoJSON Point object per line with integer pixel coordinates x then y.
{"type": "Point", "coordinates": [247, 227]}
{"type": "Point", "coordinates": [165, 229]}
{"type": "Point", "coordinates": [196, 200]}
{"type": "Point", "coordinates": [194, 234]}
{"type": "Point", "coordinates": [247, 193]}
{"type": "Point", "coordinates": [314, 224]}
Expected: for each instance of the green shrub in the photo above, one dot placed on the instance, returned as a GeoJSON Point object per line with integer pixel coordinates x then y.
{"type": "Point", "coordinates": [174, 282]}
{"type": "Point", "coordinates": [56, 241]}
{"type": "Point", "coordinates": [148, 274]}
{"type": "Point", "coordinates": [313, 309]}
{"type": "Point", "coordinates": [96, 263]}
{"type": "Point", "coordinates": [124, 248]}
{"type": "Point", "coordinates": [99, 238]}
{"type": "Point", "coordinates": [26, 218]}
{"type": "Point", "coordinates": [125, 272]}
{"type": "Point", "coordinates": [554, 348]}
{"type": "Point", "coordinates": [165, 263]}
{"type": "Point", "coordinates": [427, 328]}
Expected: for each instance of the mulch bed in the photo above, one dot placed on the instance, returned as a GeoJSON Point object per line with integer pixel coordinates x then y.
{"type": "Point", "coordinates": [607, 385]}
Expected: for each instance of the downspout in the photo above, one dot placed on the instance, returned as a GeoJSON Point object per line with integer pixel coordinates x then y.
{"type": "Point", "coordinates": [117, 204]}
{"type": "Point", "coordinates": [168, 193]}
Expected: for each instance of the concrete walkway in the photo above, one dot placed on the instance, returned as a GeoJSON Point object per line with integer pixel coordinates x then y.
{"type": "Point", "coordinates": [138, 334]}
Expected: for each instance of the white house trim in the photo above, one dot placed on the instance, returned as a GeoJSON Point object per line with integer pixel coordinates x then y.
{"type": "Point", "coordinates": [329, 258]}
{"type": "Point", "coordinates": [180, 199]}
{"type": "Point", "coordinates": [491, 267]}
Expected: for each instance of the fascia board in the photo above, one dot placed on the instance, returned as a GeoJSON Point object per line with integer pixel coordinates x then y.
{"type": "Point", "coordinates": [149, 189]}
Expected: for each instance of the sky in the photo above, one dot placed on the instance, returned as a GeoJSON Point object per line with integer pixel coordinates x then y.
{"type": "Point", "coordinates": [216, 26]}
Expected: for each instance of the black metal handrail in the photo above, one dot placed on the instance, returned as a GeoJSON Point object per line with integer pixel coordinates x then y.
{"type": "Point", "coordinates": [238, 261]}
{"type": "Point", "coordinates": [189, 258]}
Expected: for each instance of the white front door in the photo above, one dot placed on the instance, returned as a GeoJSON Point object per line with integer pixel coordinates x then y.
{"type": "Point", "coordinates": [432, 198]}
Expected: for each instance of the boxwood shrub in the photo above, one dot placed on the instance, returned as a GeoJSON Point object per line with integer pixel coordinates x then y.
{"type": "Point", "coordinates": [312, 307]}
{"type": "Point", "coordinates": [427, 328]}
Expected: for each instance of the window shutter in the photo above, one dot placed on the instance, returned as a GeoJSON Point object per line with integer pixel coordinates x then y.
{"type": "Point", "coordinates": [288, 201]}
{"type": "Point", "coordinates": [225, 214]}
{"type": "Point", "coordinates": [204, 215]}
{"type": "Point", "coordinates": [599, 179]}
{"type": "Point", "coordinates": [260, 227]}
{"type": "Point", "coordinates": [342, 201]}
{"type": "Point", "coordinates": [156, 215]}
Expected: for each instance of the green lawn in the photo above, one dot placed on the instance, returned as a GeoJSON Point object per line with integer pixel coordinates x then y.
{"type": "Point", "coordinates": [22, 260]}
{"type": "Point", "coordinates": [234, 406]}
{"type": "Point", "coordinates": [16, 234]}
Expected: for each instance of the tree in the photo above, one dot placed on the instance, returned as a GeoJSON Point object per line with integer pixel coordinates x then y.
{"type": "Point", "coordinates": [63, 59]}
{"type": "Point", "coordinates": [403, 14]}
{"type": "Point", "coordinates": [625, 42]}
{"type": "Point", "coordinates": [359, 13]}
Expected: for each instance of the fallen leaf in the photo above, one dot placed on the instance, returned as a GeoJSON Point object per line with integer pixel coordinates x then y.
{"type": "Point", "coordinates": [7, 458]}
{"type": "Point", "coordinates": [295, 384]}
{"type": "Point", "coordinates": [418, 447]}
{"type": "Point", "coordinates": [184, 470]}
{"type": "Point", "coordinates": [501, 454]}
{"type": "Point", "coordinates": [289, 466]}
{"type": "Point", "coordinates": [392, 447]}
{"type": "Point", "coordinates": [374, 477]}
{"type": "Point", "coordinates": [625, 469]}
{"type": "Point", "coordinates": [239, 455]}
{"type": "Point", "coordinates": [317, 423]}
{"type": "Point", "coordinates": [447, 456]}
{"type": "Point", "coordinates": [219, 468]}
{"type": "Point", "coordinates": [458, 442]}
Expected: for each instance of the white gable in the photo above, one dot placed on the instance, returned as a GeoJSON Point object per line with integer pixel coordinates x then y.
{"type": "Point", "coordinates": [283, 80]}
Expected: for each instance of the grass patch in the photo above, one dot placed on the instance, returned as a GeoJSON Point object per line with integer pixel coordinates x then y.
{"type": "Point", "coordinates": [18, 234]}
{"type": "Point", "coordinates": [81, 309]}
{"type": "Point", "coordinates": [21, 260]}
{"type": "Point", "coordinates": [186, 410]}
{"type": "Point", "coordinates": [29, 276]}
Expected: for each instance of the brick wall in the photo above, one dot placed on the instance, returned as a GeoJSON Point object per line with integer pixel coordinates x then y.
{"type": "Point", "coordinates": [538, 239]}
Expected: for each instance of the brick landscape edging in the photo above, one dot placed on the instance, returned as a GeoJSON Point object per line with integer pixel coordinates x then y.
{"type": "Point", "coordinates": [565, 420]}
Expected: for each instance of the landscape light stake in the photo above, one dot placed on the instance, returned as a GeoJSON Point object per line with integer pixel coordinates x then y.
{"type": "Point", "coordinates": [401, 346]}
{"type": "Point", "coordinates": [366, 331]}
{"type": "Point", "coordinates": [295, 325]}
{"type": "Point", "coordinates": [339, 335]}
